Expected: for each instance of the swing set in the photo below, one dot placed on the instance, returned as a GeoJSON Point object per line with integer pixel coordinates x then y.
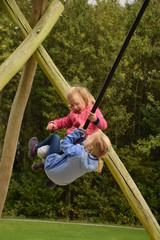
{"type": "Point", "coordinates": [32, 45]}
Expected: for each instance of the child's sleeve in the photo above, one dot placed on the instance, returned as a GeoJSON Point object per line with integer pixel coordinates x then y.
{"type": "Point", "coordinates": [62, 122]}
{"type": "Point", "coordinates": [68, 145]}
{"type": "Point", "coordinates": [101, 123]}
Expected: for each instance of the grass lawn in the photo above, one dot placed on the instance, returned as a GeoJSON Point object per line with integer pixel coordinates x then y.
{"type": "Point", "coordinates": [47, 230]}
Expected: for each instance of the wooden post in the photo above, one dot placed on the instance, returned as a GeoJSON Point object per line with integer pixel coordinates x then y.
{"type": "Point", "coordinates": [17, 112]}
{"type": "Point", "coordinates": [42, 57]}
{"type": "Point", "coordinates": [133, 195]}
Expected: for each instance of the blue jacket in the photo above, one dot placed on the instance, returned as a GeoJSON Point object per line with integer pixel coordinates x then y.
{"type": "Point", "coordinates": [75, 162]}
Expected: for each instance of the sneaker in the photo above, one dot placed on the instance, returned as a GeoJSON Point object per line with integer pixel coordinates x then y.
{"type": "Point", "coordinates": [50, 184]}
{"type": "Point", "coordinates": [38, 167]}
{"type": "Point", "coordinates": [33, 142]}
{"type": "Point", "coordinates": [43, 151]}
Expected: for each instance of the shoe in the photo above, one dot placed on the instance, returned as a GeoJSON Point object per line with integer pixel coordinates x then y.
{"type": "Point", "coordinates": [50, 184]}
{"type": "Point", "coordinates": [38, 167]}
{"type": "Point", "coordinates": [33, 142]}
{"type": "Point", "coordinates": [43, 151]}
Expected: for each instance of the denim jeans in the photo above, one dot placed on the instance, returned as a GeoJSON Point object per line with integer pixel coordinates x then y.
{"type": "Point", "coordinates": [53, 141]}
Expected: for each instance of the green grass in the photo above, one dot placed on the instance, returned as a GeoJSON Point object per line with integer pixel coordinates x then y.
{"type": "Point", "coordinates": [47, 230]}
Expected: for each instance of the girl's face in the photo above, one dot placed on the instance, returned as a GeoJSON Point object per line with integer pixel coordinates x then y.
{"type": "Point", "coordinates": [77, 104]}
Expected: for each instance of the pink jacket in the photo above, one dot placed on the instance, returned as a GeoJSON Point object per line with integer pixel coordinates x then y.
{"type": "Point", "coordinates": [74, 120]}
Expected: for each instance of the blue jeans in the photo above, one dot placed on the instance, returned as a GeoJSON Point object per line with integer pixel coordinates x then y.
{"type": "Point", "coordinates": [53, 141]}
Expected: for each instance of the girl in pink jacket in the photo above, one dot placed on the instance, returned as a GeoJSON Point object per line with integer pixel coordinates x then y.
{"type": "Point", "coordinates": [81, 103]}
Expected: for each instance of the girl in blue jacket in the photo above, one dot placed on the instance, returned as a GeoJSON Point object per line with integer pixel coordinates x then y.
{"type": "Point", "coordinates": [65, 161]}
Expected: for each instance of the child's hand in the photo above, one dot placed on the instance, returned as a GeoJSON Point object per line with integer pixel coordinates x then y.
{"type": "Point", "coordinates": [92, 117]}
{"type": "Point", "coordinates": [81, 128]}
{"type": "Point", "coordinates": [50, 126]}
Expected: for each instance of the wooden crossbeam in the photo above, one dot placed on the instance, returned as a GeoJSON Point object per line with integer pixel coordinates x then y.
{"type": "Point", "coordinates": [18, 58]}
{"type": "Point", "coordinates": [41, 55]}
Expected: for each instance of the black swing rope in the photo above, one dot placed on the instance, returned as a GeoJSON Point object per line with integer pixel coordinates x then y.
{"type": "Point", "coordinates": [110, 75]}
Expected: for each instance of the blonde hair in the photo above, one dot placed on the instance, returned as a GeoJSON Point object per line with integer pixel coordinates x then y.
{"type": "Point", "coordinates": [83, 92]}
{"type": "Point", "coordinates": [100, 145]}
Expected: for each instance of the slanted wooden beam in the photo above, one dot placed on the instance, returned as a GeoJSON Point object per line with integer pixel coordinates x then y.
{"type": "Point", "coordinates": [17, 59]}
{"type": "Point", "coordinates": [133, 195]}
{"type": "Point", "coordinates": [42, 57]}
{"type": "Point", "coordinates": [17, 112]}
